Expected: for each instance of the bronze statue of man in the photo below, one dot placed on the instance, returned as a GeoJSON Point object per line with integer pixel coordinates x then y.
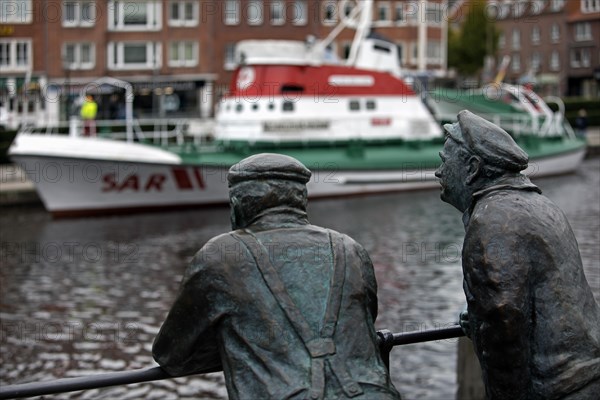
{"type": "Point", "coordinates": [531, 314]}
{"type": "Point", "coordinates": [284, 307]}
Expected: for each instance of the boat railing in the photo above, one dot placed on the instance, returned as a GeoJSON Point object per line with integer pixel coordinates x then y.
{"type": "Point", "coordinates": [523, 124]}
{"type": "Point", "coordinates": [386, 340]}
{"type": "Point", "coordinates": [161, 131]}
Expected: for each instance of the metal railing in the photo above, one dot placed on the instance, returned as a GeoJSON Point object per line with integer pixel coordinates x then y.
{"type": "Point", "coordinates": [387, 340]}
{"type": "Point", "coordinates": [159, 131]}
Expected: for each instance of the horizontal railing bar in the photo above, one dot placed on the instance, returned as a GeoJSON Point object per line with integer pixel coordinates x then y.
{"type": "Point", "coordinates": [157, 373]}
{"type": "Point", "coordinates": [452, 332]}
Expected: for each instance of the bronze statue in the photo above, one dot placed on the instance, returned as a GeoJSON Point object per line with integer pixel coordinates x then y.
{"type": "Point", "coordinates": [531, 314]}
{"type": "Point", "coordinates": [284, 307]}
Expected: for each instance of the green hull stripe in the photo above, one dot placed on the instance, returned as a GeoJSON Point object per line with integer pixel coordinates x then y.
{"type": "Point", "coordinates": [364, 156]}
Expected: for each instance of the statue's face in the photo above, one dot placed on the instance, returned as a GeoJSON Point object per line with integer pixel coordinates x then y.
{"type": "Point", "coordinates": [452, 174]}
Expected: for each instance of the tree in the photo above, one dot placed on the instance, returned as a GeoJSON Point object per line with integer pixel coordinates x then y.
{"type": "Point", "coordinates": [475, 39]}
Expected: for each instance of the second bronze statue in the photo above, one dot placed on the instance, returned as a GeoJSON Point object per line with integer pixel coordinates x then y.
{"type": "Point", "coordinates": [286, 308]}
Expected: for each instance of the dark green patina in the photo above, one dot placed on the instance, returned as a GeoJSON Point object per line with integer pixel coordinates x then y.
{"type": "Point", "coordinates": [285, 308]}
{"type": "Point", "coordinates": [531, 314]}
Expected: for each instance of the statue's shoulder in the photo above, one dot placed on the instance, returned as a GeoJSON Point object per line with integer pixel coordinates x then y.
{"type": "Point", "coordinates": [216, 252]}
{"type": "Point", "coordinates": [512, 210]}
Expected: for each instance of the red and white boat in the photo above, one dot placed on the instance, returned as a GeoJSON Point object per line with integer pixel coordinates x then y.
{"type": "Point", "coordinates": [356, 124]}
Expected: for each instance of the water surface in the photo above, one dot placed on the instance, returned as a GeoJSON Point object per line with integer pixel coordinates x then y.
{"type": "Point", "coordinates": [88, 296]}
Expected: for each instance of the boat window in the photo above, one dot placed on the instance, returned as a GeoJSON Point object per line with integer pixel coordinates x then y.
{"type": "Point", "coordinates": [380, 47]}
{"type": "Point", "coordinates": [354, 105]}
{"type": "Point", "coordinates": [271, 106]}
{"type": "Point", "coordinates": [239, 108]}
{"type": "Point", "coordinates": [288, 106]}
{"type": "Point", "coordinates": [228, 107]}
{"type": "Point", "coordinates": [292, 89]}
{"type": "Point", "coordinates": [255, 106]}
{"type": "Point", "coordinates": [371, 105]}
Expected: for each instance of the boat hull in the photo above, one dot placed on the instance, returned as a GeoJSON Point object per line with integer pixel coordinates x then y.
{"type": "Point", "coordinates": [73, 187]}
{"type": "Point", "coordinates": [70, 186]}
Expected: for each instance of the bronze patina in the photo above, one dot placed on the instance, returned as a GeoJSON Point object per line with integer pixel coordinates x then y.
{"type": "Point", "coordinates": [531, 314]}
{"type": "Point", "coordinates": [284, 307]}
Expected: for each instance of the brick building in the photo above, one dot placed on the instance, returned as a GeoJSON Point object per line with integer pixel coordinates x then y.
{"type": "Point", "coordinates": [177, 54]}
{"type": "Point", "coordinates": [554, 43]}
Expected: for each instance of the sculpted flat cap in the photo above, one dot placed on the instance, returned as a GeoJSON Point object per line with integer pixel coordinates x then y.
{"type": "Point", "coordinates": [490, 142]}
{"type": "Point", "coordinates": [268, 166]}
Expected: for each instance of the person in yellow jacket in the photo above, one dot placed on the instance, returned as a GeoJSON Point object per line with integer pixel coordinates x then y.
{"type": "Point", "coordinates": [88, 112]}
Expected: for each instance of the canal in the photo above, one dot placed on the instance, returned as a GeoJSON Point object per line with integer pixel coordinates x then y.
{"type": "Point", "coordinates": [87, 296]}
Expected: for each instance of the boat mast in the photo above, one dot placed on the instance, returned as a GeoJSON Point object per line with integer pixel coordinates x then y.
{"type": "Point", "coordinates": [422, 35]}
{"type": "Point", "coordinates": [360, 18]}
{"type": "Point", "coordinates": [362, 28]}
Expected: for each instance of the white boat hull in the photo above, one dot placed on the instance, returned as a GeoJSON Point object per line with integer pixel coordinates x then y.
{"type": "Point", "coordinates": [69, 186]}
{"type": "Point", "coordinates": [99, 178]}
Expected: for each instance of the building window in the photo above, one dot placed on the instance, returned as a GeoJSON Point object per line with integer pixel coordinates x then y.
{"type": "Point", "coordinates": [255, 9]}
{"type": "Point", "coordinates": [535, 61]}
{"type": "Point", "coordinates": [134, 55]}
{"type": "Point", "coordinates": [557, 5]}
{"type": "Point", "coordinates": [516, 39]}
{"type": "Point", "coordinates": [15, 54]}
{"type": "Point", "coordinates": [501, 11]}
{"type": "Point", "coordinates": [383, 12]}
{"type": "Point", "coordinates": [535, 35]}
{"type": "Point", "coordinates": [400, 47]}
{"type": "Point", "coordinates": [79, 13]}
{"type": "Point", "coordinates": [580, 58]}
{"type": "Point", "coordinates": [590, 6]}
{"type": "Point", "coordinates": [329, 13]}
{"type": "Point", "coordinates": [232, 12]}
{"type": "Point", "coordinates": [183, 54]}
{"type": "Point", "coordinates": [555, 61]}
{"type": "Point", "coordinates": [129, 15]}
{"type": "Point", "coordinates": [501, 40]}
{"type": "Point", "coordinates": [519, 8]}
{"type": "Point", "coordinates": [299, 12]}
{"type": "Point", "coordinates": [434, 52]}
{"type": "Point", "coordinates": [583, 31]}
{"type": "Point", "coordinates": [516, 63]}
{"type": "Point", "coordinates": [15, 11]}
{"type": "Point", "coordinates": [434, 14]}
{"type": "Point", "coordinates": [346, 47]}
{"type": "Point", "coordinates": [183, 13]}
{"type": "Point", "coordinates": [555, 33]}
{"type": "Point", "coordinates": [229, 60]}
{"type": "Point", "coordinates": [399, 16]}
{"type": "Point", "coordinates": [79, 55]}
{"type": "Point", "coordinates": [277, 12]}
{"type": "Point", "coordinates": [537, 6]}
{"type": "Point", "coordinates": [5, 58]}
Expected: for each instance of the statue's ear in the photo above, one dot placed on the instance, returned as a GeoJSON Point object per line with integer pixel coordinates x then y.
{"type": "Point", "coordinates": [474, 169]}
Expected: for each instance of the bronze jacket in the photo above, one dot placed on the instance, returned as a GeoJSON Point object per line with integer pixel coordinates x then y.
{"type": "Point", "coordinates": [532, 316]}
{"type": "Point", "coordinates": [230, 313]}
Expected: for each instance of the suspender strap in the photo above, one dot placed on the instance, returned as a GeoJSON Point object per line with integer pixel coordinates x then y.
{"type": "Point", "coordinates": [275, 285]}
{"type": "Point", "coordinates": [320, 347]}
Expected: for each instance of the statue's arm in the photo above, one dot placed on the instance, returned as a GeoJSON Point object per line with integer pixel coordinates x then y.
{"type": "Point", "coordinates": [370, 283]}
{"type": "Point", "coordinates": [499, 311]}
{"type": "Point", "coordinates": [186, 342]}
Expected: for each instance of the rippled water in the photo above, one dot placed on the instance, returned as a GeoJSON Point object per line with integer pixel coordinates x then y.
{"type": "Point", "coordinates": [87, 296]}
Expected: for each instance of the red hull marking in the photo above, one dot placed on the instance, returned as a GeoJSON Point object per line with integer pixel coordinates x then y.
{"type": "Point", "coordinates": [381, 121]}
{"type": "Point", "coordinates": [314, 81]}
{"type": "Point", "coordinates": [199, 179]}
{"type": "Point", "coordinates": [182, 179]}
